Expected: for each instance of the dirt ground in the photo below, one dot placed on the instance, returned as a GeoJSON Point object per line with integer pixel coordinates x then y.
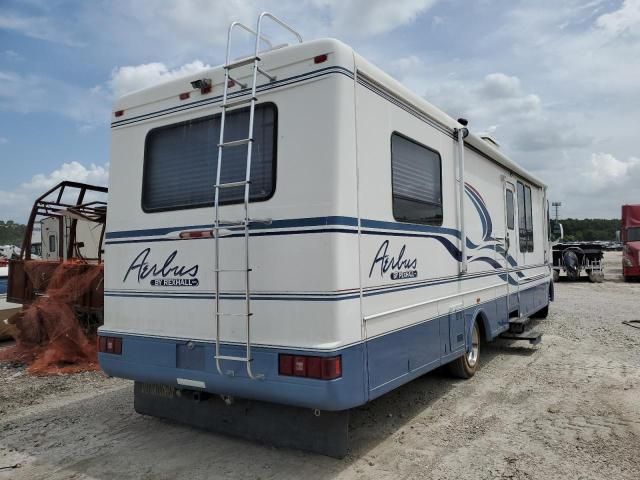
{"type": "Point", "coordinates": [566, 409]}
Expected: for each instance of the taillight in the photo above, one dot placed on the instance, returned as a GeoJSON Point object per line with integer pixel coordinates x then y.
{"type": "Point", "coordinates": [110, 345]}
{"type": "Point", "coordinates": [323, 368]}
{"type": "Point", "coordinates": [320, 58]}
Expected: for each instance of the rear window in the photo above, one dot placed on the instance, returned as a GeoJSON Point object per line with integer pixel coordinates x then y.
{"type": "Point", "coordinates": [181, 160]}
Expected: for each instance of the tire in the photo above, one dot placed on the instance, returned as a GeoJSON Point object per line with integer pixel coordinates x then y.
{"type": "Point", "coordinates": [467, 365]}
{"type": "Point", "coordinates": [556, 276]}
{"type": "Point", "coordinates": [542, 313]}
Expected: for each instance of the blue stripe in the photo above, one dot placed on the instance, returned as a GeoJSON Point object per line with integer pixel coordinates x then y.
{"type": "Point", "coordinates": [261, 88]}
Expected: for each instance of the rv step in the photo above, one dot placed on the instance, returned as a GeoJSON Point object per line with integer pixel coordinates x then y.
{"type": "Point", "coordinates": [271, 78]}
{"type": "Point", "coordinates": [236, 103]}
{"type": "Point", "coordinates": [242, 62]}
{"type": "Point", "coordinates": [518, 325]}
{"type": "Point", "coordinates": [236, 143]}
{"type": "Point", "coordinates": [533, 338]}
{"type": "Point", "coordinates": [326, 433]}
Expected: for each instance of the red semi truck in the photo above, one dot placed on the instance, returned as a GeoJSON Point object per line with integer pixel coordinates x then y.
{"type": "Point", "coordinates": [630, 235]}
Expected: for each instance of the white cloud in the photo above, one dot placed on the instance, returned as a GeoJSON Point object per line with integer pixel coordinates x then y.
{"type": "Point", "coordinates": [366, 17]}
{"type": "Point", "coordinates": [626, 20]}
{"type": "Point", "coordinates": [130, 78]}
{"type": "Point", "coordinates": [606, 171]}
{"type": "Point", "coordinates": [17, 203]}
{"type": "Point", "coordinates": [72, 171]}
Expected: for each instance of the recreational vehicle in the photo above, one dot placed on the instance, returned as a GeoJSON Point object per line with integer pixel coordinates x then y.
{"type": "Point", "coordinates": [298, 228]}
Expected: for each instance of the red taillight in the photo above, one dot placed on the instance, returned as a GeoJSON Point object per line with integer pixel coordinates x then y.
{"type": "Point", "coordinates": [110, 345]}
{"type": "Point", "coordinates": [322, 368]}
{"type": "Point", "coordinates": [320, 58]}
{"type": "Point", "coordinates": [119, 113]}
{"type": "Point", "coordinates": [185, 95]}
{"type": "Point", "coordinates": [196, 234]}
{"type": "Point", "coordinates": [300, 366]}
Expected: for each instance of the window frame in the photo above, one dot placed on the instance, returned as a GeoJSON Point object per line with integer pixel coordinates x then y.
{"type": "Point", "coordinates": [419, 144]}
{"type": "Point", "coordinates": [525, 232]}
{"type": "Point", "coordinates": [511, 219]}
{"type": "Point", "coordinates": [274, 166]}
{"type": "Point", "coordinates": [53, 241]}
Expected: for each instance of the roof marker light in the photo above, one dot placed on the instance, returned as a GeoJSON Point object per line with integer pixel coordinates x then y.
{"type": "Point", "coordinates": [185, 95]}
{"type": "Point", "coordinates": [119, 113]}
{"type": "Point", "coordinates": [231, 83]}
{"type": "Point", "coordinates": [320, 58]}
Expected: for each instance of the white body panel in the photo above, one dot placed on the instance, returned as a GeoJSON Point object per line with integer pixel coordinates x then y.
{"type": "Point", "coordinates": [315, 291]}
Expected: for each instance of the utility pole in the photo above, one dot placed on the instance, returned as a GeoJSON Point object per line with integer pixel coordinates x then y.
{"type": "Point", "coordinates": [556, 206]}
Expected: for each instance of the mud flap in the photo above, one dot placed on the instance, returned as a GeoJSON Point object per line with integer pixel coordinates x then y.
{"type": "Point", "coordinates": [268, 423]}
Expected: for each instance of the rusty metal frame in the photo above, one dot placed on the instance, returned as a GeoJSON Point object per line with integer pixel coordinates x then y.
{"type": "Point", "coordinates": [45, 206]}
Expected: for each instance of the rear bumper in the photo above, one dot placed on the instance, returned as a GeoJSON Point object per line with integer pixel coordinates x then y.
{"type": "Point", "coordinates": [191, 365]}
{"type": "Point", "coordinates": [631, 271]}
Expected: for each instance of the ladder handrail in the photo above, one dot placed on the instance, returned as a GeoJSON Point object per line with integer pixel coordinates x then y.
{"type": "Point", "coordinates": [248, 29]}
{"type": "Point", "coordinates": [277, 20]}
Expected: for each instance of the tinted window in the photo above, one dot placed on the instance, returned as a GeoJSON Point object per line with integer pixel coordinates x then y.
{"type": "Point", "coordinates": [527, 199]}
{"type": "Point", "coordinates": [510, 210]}
{"type": "Point", "coordinates": [525, 218]}
{"type": "Point", "coordinates": [522, 219]}
{"type": "Point", "coordinates": [181, 161]}
{"type": "Point", "coordinates": [416, 182]}
{"type": "Point", "coordinates": [52, 243]}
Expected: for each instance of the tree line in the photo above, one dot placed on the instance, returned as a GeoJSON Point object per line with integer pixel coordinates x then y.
{"type": "Point", "coordinates": [590, 229]}
{"type": "Point", "coordinates": [11, 233]}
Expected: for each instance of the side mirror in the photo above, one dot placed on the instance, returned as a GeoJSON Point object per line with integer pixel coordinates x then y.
{"type": "Point", "coordinates": [556, 232]}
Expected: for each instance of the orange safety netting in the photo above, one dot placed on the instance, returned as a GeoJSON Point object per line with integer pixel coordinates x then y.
{"type": "Point", "coordinates": [50, 337]}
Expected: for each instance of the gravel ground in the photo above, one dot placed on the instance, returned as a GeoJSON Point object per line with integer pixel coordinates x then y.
{"type": "Point", "coordinates": [566, 409]}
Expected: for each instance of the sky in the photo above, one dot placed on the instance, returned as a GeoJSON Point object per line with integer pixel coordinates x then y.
{"type": "Point", "coordinates": [555, 82]}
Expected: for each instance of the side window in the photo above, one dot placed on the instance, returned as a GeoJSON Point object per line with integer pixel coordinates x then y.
{"type": "Point", "coordinates": [527, 199]}
{"type": "Point", "coordinates": [416, 182]}
{"type": "Point", "coordinates": [52, 243]}
{"type": "Point", "coordinates": [522, 219]}
{"type": "Point", "coordinates": [510, 210]}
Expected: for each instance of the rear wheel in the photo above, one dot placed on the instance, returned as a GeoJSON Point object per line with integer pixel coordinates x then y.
{"type": "Point", "coordinates": [467, 365]}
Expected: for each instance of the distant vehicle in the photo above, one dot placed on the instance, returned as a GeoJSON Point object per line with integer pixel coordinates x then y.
{"type": "Point", "coordinates": [388, 240]}
{"type": "Point", "coordinates": [630, 233]}
{"type": "Point", "coordinates": [574, 258]}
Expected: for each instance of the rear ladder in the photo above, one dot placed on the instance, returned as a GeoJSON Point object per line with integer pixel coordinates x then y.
{"type": "Point", "coordinates": [226, 227]}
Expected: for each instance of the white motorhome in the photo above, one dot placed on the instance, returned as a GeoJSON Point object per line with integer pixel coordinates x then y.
{"type": "Point", "coordinates": [383, 240]}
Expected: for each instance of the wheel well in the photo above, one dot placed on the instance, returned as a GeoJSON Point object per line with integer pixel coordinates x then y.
{"type": "Point", "coordinates": [483, 324]}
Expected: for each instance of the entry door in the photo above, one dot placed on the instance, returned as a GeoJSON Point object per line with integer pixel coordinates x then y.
{"type": "Point", "coordinates": [511, 247]}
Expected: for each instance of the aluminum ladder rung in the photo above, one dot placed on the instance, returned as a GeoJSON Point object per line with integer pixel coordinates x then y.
{"type": "Point", "coordinates": [232, 184]}
{"type": "Point", "coordinates": [225, 314]}
{"type": "Point", "coordinates": [236, 143]}
{"type": "Point", "coordinates": [242, 62]}
{"type": "Point", "coordinates": [267, 221]}
{"type": "Point", "coordinates": [230, 357]}
{"type": "Point", "coordinates": [237, 103]}
{"type": "Point", "coordinates": [225, 270]}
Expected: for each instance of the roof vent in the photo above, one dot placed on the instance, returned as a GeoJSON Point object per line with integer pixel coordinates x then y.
{"type": "Point", "coordinates": [489, 139]}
